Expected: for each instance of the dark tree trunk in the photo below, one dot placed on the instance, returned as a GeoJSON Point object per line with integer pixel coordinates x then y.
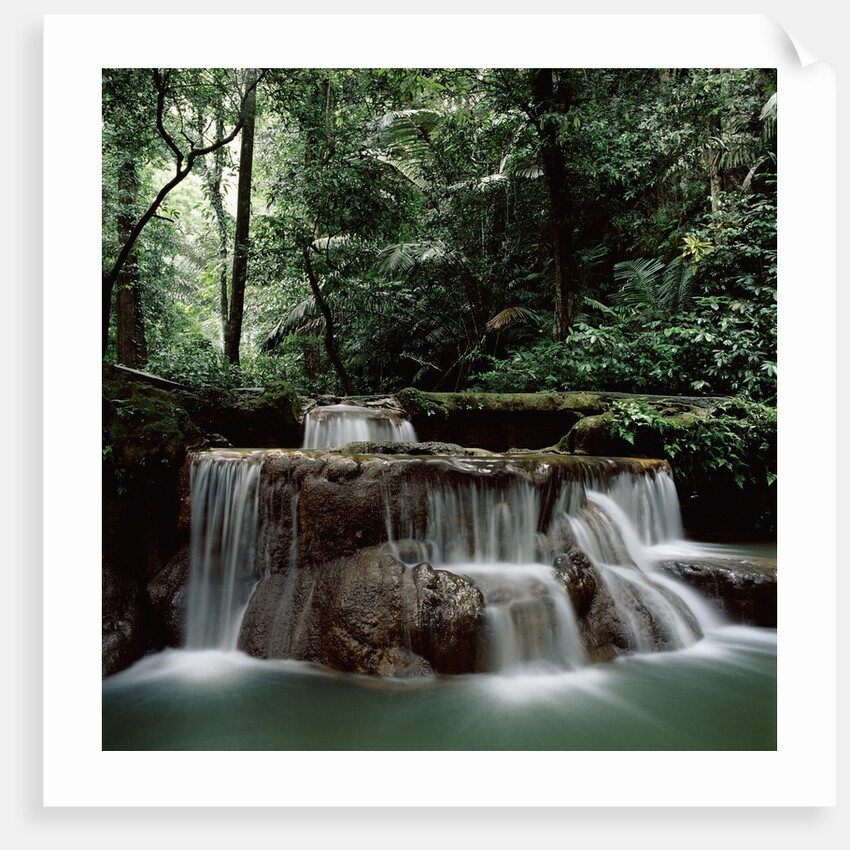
{"type": "Point", "coordinates": [183, 167]}
{"type": "Point", "coordinates": [713, 154]}
{"type": "Point", "coordinates": [547, 104]}
{"type": "Point", "coordinates": [330, 336]}
{"type": "Point", "coordinates": [131, 346]}
{"type": "Point", "coordinates": [243, 219]}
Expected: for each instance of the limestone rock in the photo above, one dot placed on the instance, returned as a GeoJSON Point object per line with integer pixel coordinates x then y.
{"type": "Point", "coordinates": [167, 593]}
{"type": "Point", "coordinates": [743, 590]}
{"type": "Point", "coordinates": [367, 614]}
{"type": "Point", "coordinates": [123, 639]}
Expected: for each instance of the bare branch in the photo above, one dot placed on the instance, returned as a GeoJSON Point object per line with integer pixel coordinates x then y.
{"type": "Point", "coordinates": [162, 88]}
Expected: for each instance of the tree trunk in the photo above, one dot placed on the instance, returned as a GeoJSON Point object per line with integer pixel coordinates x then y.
{"type": "Point", "coordinates": [560, 203]}
{"type": "Point", "coordinates": [330, 338]}
{"type": "Point", "coordinates": [713, 154]}
{"type": "Point", "coordinates": [212, 176]}
{"type": "Point", "coordinates": [183, 167]}
{"type": "Point", "coordinates": [131, 346]}
{"type": "Point", "coordinates": [243, 219]}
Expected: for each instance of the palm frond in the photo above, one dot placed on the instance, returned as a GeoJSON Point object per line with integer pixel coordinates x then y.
{"type": "Point", "coordinates": [409, 169]}
{"type": "Point", "coordinates": [675, 288]}
{"type": "Point", "coordinates": [511, 315]}
{"type": "Point", "coordinates": [595, 304]}
{"type": "Point", "coordinates": [489, 181]}
{"type": "Point", "coordinates": [404, 119]}
{"type": "Point", "coordinates": [405, 255]}
{"type": "Point", "coordinates": [403, 142]}
{"type": "Point", "coordinates": [323, 243]}
{"type": "Point", "coordinates": [639, 280]}
{"type": "Point", "coordinates": [529, 172]}
{"type": "Point", "coordinates": [768, 118]}
{"type": "Point", "coordinates": [301, 315]}
{"type": "Point", "coordinates": [396, 258]}
{"type": "Point", "coordinates": [754, 170]}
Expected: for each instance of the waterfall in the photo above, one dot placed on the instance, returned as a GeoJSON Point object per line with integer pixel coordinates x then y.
{"type": "Point", "coordinates": [532, 537]}
{"type": "Point", "coordinates": [617, 530]}
{"type": "Point", "coordinates": [502, 528]}
{"type": "Point", "coordinates": [338, 424]}
{"type": "Point", "coordinates": [225, 492]}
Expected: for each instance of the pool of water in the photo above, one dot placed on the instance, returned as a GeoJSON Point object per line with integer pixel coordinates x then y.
{"type": "Point", "coordinates": [718, 694]}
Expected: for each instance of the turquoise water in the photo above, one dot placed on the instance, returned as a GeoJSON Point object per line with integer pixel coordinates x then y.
{"type": "Point", "coordinates": [719, 694]}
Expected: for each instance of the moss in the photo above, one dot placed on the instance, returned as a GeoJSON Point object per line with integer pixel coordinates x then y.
{"type": "Point", "coordinates": [724, 456]}
{"type": "Point", "coordinates": [419, 403]}
{"type": "Point", "coordinates": [416, 403]}
{"type": "Point", "coordinates": [282, 398]}
{"type": "Point", "coordinates": [144, 428]}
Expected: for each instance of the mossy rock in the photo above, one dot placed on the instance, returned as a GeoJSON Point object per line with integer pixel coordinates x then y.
{"type": "Point", "coordinates": [144, 429]}
{"type": "Point", "coordinates": [496, 421]}
{"type": "Point", "coordinates": [418, 403]}
{"type": "Point", "coordinates": [263, 418]}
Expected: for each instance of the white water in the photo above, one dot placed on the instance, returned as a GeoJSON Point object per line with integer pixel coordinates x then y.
{"type": "Point", "coordinates": [338, 424]}
{"type": "Point", "coordinates": [498, 535]}
{"type": "Point", "coordinates": [490, 532]}
{"type": "Point", "coordinates": [622, 531]}
{"type": "Point", "coordinates": [496, 521]}
{"type": "Point", "coordinates": [717, 693]}
{"type": "Point", "coordinates": [222, 571]}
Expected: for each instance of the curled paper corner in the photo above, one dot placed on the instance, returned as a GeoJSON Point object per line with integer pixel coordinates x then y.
{"type": "Point", "coordinates": [795, 49]}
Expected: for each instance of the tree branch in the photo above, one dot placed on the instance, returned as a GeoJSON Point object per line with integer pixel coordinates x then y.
{"type": "Point", "coordinates": [161, 83]}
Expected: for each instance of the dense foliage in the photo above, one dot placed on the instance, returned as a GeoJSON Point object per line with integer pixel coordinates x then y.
{"type": "Point", "coordinates": [730, 451]}
{"type": "Point", "coordinates": [423, 227]}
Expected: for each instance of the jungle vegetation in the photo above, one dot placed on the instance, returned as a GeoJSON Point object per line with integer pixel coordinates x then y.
{"type": "Point", "coordinates": [356, 231]}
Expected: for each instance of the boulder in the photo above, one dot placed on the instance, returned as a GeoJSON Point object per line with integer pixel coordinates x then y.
{"type": "Point", "coordinates": [367, 614]}
{"type": "Point", "coordinates": [448, 622]}
{"type": "Point", "coordinates": [167, 594]}
{"type": "Point", "coordinates": [575, 571]}
{"type": "Point", "coordinates": [123, 638]}
{"type": "Point", "coordinates": [743, 590]}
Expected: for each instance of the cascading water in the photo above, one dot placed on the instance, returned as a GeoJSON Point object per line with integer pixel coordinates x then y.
{"type": "Point", "coordinates": [333, 546]}
{"type": "Point", "coordinates": [225, 492]}
{"type": "Point", "coordinates": [493, 534]}
{"type": "Point", "coordinates": [337, 424]}
{"type": "Point", "coordinates": [497, 522]}
{"type": "Point", "coordinates": [501, 531]}
{"type": "Point", "coordinates": [618, 530]}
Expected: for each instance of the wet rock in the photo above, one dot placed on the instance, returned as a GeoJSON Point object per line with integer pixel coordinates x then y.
{"type": "Point", "coordinates": [123, 638]}
{"type": "Point", "coordinates": [616, 618]}
{"type": "Point", "coordinates": [407, 448]}
{"type": "Point", "coordinates": [575, 571]}
{"type": "Point", "coordinates": [348, 615]}
{"type": "Point", "coordinates": [335, 504]}
{"type": "Point", "coordinates": [367, 614]}
{"type": "Point", "coordinates": [167, 594]}
{"type": "Point", "coordinates": [743, 590]}
{"type": "Point", "coordinates": [448, 622]}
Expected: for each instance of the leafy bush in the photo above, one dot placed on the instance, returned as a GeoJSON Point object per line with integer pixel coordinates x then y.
{"type": "Point", "coordinates": [196, 362]}
{"type": "Point", "coordinates": [726, 347]}
{"type": "Point", "coordinates": [732, 449]}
